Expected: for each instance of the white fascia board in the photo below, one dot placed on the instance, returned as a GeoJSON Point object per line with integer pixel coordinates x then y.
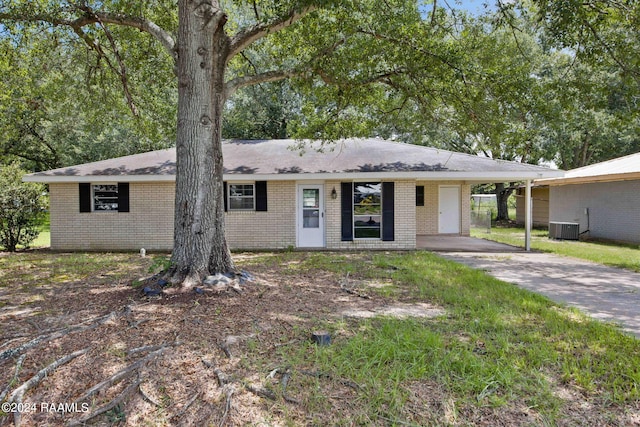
{"type": "Point", "coordinates": [481, 177]}
{"type": "Point", "coordinates": [97, 178]}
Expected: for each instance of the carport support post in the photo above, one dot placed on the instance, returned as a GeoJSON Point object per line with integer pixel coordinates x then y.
{"type": "Point", "coordinates": [527, 216]}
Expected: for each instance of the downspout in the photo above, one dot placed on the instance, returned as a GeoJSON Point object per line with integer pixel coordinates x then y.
{"type": "Point", "coordinates": [527, 217]}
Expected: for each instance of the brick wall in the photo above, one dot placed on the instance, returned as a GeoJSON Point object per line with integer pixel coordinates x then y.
{"type": "Point", "coordinates": [427, 215]}
{"type": "Point", "coordinates": [149, 225]}
{"type": "Point", "coordinates": [614, 208]}
{"type": "Point", "coordinates": [150, 222]}
{"type": "Point", "coordinates": [273, 229]}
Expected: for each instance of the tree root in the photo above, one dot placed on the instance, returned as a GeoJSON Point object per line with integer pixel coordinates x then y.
{"type": "Point", "coordinates": [186, 406]}
{"type": "Point", "coordinates": [9, 340]}
{"type": "Point", "coordinates": [344, 285]}
{"type": "Point", "coordinates": [225, 348]}
{"type": "Point", "coordinates": [228, 391]}
{"type": "Point", "coordinates": [261, 391]}
{"type": "Point", "coordinates": [227, 388]}
{"type": "Point", "coordinates": [14, 379]}
{"type": "Point", "coordinates": [222, 378]}
{"type": "Point", "coordinates": [18, 394]}
{"type": "Point", "coordinates": [149, 348]}
{"type": "Point", "coordinates": [115, 402]}
{"type": "Point", "coordinates": [148, 398]}
{"type": "Point", "coordinates": [123, 373]}
{"type": "Point", "coordinates": [12, 352]}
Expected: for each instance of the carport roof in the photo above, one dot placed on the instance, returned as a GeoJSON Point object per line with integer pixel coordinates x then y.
{"type": "Point", "coordinates": [619, 169]}
{"type": "Point", "coordinates": [284, 160]}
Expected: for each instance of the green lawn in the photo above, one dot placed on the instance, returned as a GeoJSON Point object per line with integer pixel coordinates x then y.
{"type": "Point", "coordinates": [498, 346]}
{"type": "Point", "coordinates": [44, 238]}
{"type": "Point", "coordinates": [615, 255]}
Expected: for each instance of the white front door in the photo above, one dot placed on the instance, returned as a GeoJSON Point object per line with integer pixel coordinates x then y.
{"type": "Point", "coordinates": [449, 210]}
{"type": "Point", "coordinates": [310, 216]}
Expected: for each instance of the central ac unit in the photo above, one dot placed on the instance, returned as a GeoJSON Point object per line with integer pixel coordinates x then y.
{"type": "Point", "coordinates": [564, 230]}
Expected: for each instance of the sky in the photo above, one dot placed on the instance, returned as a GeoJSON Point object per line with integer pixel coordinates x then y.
{"type": "Point", "coordinates": [475, 7]}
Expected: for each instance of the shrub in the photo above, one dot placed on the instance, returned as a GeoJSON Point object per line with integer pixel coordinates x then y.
{"type": "Point", "coordinates": [22, 208]}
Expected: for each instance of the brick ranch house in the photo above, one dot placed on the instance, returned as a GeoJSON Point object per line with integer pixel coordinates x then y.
{"type": "Point", "coordinates": [362, 194]}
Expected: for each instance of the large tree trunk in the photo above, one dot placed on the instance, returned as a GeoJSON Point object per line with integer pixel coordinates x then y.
{"type": "Point", "coordinates": [199, 242]}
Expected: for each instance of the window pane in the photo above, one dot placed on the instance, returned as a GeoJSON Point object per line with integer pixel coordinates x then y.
{"type": "Point", "coordinates": [105, 197]}
{"type": "Point", "coordinates": [310, 198]}
{"type": "Point", "coordinates": [367, 233]}
{"type": "Point", "coordinates": [367, 210]}
{"type": "Point", "coordinates": [241, 197]}
{"type": "Point", "coordinates": [241, 203]}
{"type": "Point", "coordinates": [310, 218]}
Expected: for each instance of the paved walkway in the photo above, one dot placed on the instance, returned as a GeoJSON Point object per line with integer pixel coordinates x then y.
{"type": "Point", "coordinates": [605, 293]}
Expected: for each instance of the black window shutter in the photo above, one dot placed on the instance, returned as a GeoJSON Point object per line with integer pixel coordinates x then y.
{"type": "Point", "coordinates": [224, 190]}
{"type": "Point", "coordinates": [419, 195]}
{"type": "Point", "coordinates": [85, 196]}
{"type": "Point", "coordinates": [347, 210]}
{"type": "Point", "coordinates": [123, 197]}
{"type": "Point", "coordinates": [388, 201]}
{"type": "Point", "coordinates": [261, 196]}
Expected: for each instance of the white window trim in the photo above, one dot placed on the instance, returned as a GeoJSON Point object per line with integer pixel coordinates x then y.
{"type": "Point", "coordinates": [228, 196]}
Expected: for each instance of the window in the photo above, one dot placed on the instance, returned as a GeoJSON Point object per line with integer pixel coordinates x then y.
{"type": "Point", "coordinates": [105, 197]}
{"type": "Point", "coordinates": [367, 209]}
{"type": "Point", "coordinates": [419, 195]}
{"type": "Point", "coordinates": [241, 197]}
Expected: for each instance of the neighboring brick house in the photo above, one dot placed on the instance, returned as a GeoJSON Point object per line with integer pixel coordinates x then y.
{"type": "Point", "coordinates": [604, 199]}
{"type": "Point", "coordinates": [358, 193]}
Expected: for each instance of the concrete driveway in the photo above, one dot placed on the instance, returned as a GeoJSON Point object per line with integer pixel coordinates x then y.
{"type": "Point", "coordinates": [606, 293]}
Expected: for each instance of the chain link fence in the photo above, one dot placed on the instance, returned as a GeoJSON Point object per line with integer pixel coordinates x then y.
{"type": "Point", "coordinates": [483, 207]}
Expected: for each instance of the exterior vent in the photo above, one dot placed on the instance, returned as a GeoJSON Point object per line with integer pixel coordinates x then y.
{"type": "Point", "coordinates": [564, 230]}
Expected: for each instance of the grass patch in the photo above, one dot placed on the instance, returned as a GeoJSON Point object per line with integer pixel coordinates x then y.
{"type": "Point", "coordinates": [499, 344]}
{"type": "Point", "coordinates": [42, 268]}
{"type": "Point", "coordinates": [612, 254]}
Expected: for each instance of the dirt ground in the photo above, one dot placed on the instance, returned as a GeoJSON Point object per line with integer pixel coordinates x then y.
{"type": "Point", "coordinates": [196, 359]}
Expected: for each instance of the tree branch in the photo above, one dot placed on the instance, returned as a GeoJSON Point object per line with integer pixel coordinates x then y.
{"type": "Point", "coordinates": [407, 43]}
{"type": "Point", "coordinates": [245, 37]}
{"type": "Point", "coordinates": [143, 24]}
{"type": "Point", "coordinates": [623, 66]}
{"type": "Point", "coordinates": [122, 71]}
{"type": "Point", "coordinates": [232, 86]}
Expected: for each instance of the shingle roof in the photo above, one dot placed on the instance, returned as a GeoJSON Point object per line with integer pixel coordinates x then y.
{"type": "Point", "coordinates": [279, 159]}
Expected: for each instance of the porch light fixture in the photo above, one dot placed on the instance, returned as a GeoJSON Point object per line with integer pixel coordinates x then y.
{"type": "Point", "coordinates": [334, 193]}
